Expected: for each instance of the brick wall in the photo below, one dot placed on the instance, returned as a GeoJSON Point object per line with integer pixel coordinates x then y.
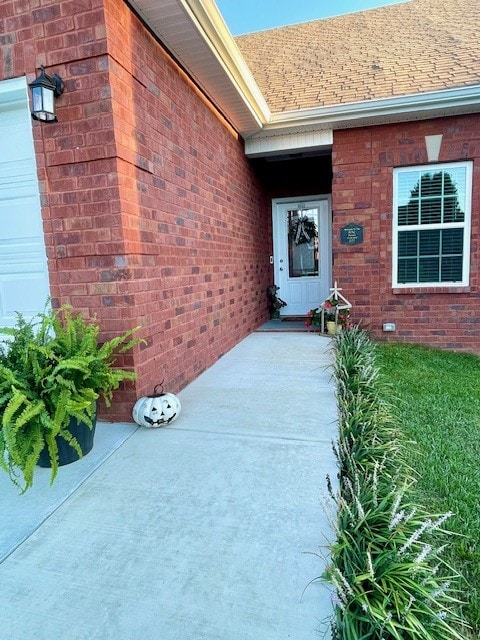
{"type": "Point", "coordinates": [152, 214]}
{"type": "Point", "coordinates": [363, 162]}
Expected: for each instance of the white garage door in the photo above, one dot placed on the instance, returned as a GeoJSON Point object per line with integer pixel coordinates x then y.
{"type": "Point", "coordinates": [24, 283]}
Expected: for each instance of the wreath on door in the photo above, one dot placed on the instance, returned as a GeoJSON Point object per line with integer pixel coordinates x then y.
{"type": "Point", "coordinates": [302, 230]}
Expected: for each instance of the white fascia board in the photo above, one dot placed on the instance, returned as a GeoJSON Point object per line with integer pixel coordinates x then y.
{"type": "Point", "coordinates": [308, 129]}
{"type": "Point", "coordinates": [209, 22]}
{"type": "Point", "coordinates": [411, 107]}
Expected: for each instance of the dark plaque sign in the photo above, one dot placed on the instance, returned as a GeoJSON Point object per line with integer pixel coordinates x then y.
{"type": "Point", "coordinates": [351, 234]}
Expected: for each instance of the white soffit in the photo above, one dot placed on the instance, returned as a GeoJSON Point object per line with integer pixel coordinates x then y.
{"type": "Point", "coordinates": [281, 142]}
{"type": "Point", "coordinates": [196, 34]}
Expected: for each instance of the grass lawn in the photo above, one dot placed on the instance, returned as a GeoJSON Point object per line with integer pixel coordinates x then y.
{"type": "Point", "coordinates": [436, 395]}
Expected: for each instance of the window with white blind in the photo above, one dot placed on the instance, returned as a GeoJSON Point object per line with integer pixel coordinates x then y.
{"type": "Point", "coordinates": [431, 225]}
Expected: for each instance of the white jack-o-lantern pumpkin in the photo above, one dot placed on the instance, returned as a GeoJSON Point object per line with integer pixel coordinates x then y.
{"type": "Point", "coordinates": [157, 410]}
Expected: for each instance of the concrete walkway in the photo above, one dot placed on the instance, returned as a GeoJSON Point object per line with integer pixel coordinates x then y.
{"type": "Point", "coordinates": [203, 530]}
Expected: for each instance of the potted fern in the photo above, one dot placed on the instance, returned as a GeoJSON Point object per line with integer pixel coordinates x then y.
{"type": "Point", "coordinates": [53, 370]}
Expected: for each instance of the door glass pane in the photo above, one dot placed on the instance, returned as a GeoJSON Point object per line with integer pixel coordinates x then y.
{"type": "Point", "coordinates": [302, 226]}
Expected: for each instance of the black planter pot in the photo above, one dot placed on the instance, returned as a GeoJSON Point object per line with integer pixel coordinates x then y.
{"type": "Point", "coordinates": [66, 453]}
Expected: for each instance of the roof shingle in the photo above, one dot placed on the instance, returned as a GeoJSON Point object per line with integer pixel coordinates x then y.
{"type": "Point", "coordinates": [403, 49]}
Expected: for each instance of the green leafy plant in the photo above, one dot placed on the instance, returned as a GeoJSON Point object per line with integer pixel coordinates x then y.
{"type": "Point", "coordinates": [314, 319]}
{"type": "Point", "coordinates": [52, 368]}
{"type": "Point", "coordinates": [389, 578]}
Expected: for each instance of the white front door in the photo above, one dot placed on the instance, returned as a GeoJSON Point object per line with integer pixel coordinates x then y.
{"type": "Point", "coordinates": [24, 284]}
{"type": "Point", "coordinates": [302, 252]}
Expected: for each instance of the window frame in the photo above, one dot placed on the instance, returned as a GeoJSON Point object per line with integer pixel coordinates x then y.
{"type": "Point", "coordinates": [465, 225]}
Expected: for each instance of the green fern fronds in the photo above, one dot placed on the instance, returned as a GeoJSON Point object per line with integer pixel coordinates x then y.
{"type": "Point", "coordinates": [71, 440]}
{"type": "Point", "coordinates": [53, 368]}
{"type": "Point", "coordinates": [76, 363]}
{"type": "Point", "coordinates": [17, 399]}
{"type": "Point", "coordinates": [31, 411]}
{"type": "Point", "coordinates": [50, 442]}
{"type": "Point", "coordinates": [24, 448]}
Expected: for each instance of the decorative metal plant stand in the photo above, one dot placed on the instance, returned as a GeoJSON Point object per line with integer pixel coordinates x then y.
{"type": "Point", "coordinates": [339, 303]}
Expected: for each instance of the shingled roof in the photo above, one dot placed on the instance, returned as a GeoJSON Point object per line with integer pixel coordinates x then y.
{"type": "Point", "coordinates": [397, 50]}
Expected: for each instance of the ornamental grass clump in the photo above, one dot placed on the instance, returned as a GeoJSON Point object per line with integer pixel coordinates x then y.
{"type": "Point", "coordinates": [390, 581]}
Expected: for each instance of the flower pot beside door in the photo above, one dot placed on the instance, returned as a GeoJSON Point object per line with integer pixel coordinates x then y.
{"type": "Point", "coordinates": [333, 328]}
{"type": "Point", "coordinates": [83, 435]}
{"type": "Point", "coordinates": [52, 369]}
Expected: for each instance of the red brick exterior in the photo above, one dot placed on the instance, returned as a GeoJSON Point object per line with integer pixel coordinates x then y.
{"type": "Point", "coordinates": [363, 162]}
{"type": "Point", "coordinates": [152, 214]}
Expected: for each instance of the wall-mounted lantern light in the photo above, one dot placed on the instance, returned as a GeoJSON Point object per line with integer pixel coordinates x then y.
{"type": "Point", "coordinates": [44, 91]}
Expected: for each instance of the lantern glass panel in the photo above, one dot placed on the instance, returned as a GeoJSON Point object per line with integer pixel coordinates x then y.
{"type": "Point", "coordinates": [48, 100]}
{"type": "Point", "coordinates": [37, 98]}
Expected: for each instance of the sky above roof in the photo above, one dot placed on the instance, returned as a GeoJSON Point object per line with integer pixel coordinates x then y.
{"type": "Point", "coordinates": [247, 16]}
